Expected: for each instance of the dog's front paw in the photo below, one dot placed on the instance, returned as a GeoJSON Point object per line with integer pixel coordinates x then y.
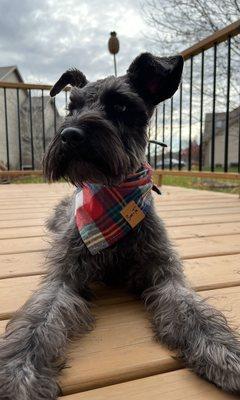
{"type": "Point", "coordinates": [22, 382]}
{"type": "Point", "coordinates": [220, 365]}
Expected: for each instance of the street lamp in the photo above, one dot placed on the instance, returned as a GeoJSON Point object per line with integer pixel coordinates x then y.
{"type": "Point", "coordinates": [113, 47]}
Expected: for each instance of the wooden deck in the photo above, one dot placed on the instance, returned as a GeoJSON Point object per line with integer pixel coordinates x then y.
{"type": "Point", "coordinates": [120, 360]}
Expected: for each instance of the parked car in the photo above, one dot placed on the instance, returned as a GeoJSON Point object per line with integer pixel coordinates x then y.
{"type": "Point", "coordinates": [175, 163]}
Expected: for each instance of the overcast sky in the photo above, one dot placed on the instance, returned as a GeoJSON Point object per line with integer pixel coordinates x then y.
{"type": "Point", "coordinates": [45, 37]}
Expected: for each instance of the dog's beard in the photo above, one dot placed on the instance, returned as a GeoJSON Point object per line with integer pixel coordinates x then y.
{"type": "Point", "coordinates": [105, 164]}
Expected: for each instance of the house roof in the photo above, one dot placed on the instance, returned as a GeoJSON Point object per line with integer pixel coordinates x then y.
{"type": "Point", "coordinates": [5, 71]}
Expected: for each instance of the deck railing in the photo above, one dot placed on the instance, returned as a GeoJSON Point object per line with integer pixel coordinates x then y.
{"type": "Point", "coordinates": [200, 124]}
{"type": "Point", "coordinates": [29, 120]}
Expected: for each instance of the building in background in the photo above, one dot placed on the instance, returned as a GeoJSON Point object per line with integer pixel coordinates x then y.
{"type": "Point", "coordinates": [220, 129]}
{"type": "Point", "coordinates": [41, 122]}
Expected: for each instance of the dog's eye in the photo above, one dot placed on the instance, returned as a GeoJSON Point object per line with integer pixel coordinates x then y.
{"type": "Point", "coordinates": [120, 108]}
{"type": "Point", "coordinates": [73, 107]}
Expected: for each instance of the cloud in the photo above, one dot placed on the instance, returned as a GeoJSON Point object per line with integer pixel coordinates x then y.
{"type": "Point", "coordinates": [46, 37]}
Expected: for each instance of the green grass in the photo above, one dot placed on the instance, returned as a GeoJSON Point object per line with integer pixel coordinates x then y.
{"type": "Point", "coordinates": [28, 179]}
{"type": "Point", "coordinates": [203, 183]}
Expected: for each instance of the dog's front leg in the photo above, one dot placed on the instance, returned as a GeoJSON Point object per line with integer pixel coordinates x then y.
{"type": "Point", "coordinates": [32, 350]}
{"type": "Point", "coordinates": [183, 320]}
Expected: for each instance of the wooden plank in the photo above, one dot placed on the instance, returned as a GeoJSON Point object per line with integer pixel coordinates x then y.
{"type": "Point", "coordinates": [213, 272]}
{"type": "Point", "coordinates": [176, 385]}
{"type": "Point", "coordinates": [19, 232]}
{"type": "Point", "coordinates": [23, 264]}
{"type": "Point", "coordinates": [178, 221]}
{"type": "Point", "coordinates": [195, 247]}
{"type": "Point", "coordinates": [200, 219]}
{"type": "Point", "coordinates": [48, 206]}
{"type": "Point", "coordinates": [23, 216]}
{"type": "Point", "coordinates": [209, 246]}
{"type": "Point", "coordinates": [20, 206]}
{"type": "Point", "coordinates": [14, 292]}
{"type": "Point", "coordinates": [32, 214]}
{"type": "Point", "coordinates": [185, 213]}
{"type": "Point", "coordinates": [16, 211]}
{"type": "Point", "coordinates": [182, 232]}
{"type": "Point", "coordinates": [13, 246]}
{"type": "Point", "coordinates": [163, 202]}
{"type": "Point", "coordinates": [22, 223]}
{"type": "Point", "coordinates": [196, 205]}
{"type": "Point", "coordinates": [204, 230]}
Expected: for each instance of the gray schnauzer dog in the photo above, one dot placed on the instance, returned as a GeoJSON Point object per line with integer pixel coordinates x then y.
{"type": "Point", "coordinates": [103, 141]}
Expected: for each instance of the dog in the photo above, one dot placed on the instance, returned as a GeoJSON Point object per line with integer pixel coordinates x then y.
{"type": "Point", "coordinates": [109, 232]}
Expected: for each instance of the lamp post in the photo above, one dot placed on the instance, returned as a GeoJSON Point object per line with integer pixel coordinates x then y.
{"type": "Point", "coordinates": [113, 47]}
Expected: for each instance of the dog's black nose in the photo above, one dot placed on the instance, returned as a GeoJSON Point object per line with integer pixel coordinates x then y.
{"type": "Point", "coordinates": [72, 135]}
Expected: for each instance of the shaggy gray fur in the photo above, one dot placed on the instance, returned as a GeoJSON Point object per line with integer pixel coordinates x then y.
{"type": "Point", "coordinates": [32, 351]}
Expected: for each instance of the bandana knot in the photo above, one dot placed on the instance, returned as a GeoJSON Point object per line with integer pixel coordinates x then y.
{"type": "Point", "coordinates": [105, 214]}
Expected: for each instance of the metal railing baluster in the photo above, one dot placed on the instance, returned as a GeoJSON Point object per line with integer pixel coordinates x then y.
{"type": "Point", "coordinates": [156, 129]}
{"type": "Point", "coordinates": [239, 142]}
{"type": "Point", "coordinates": [180, 130]}
{"type": "Point", "coordinates": [171, 132]}
{"type": "Point", "coordinates": [55, 116]}
{"type": "Point", "coordinates": [31, 129]}
{"type": "Point", "coordinates": [163, 133]}
{"type": "Point", "coordinates": [190, 117]}
{"type": "Point", "coordinates": [6, 126]}
{"type": "Point", "coordinates": [19, 130]}
{"type": "Point", "coordinates": [201, 115]}
{"type": "Point", "coordinates": [227, 106]}
{"type": "Point", "coordinates": [43, 122]}
{"type": "Point", "coordinates": [214, 107]}
{"type": "Point", "coordinates": [66, 101]}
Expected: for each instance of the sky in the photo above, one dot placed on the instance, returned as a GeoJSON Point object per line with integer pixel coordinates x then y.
{"type": "Point", "coordinates": [46, 37]}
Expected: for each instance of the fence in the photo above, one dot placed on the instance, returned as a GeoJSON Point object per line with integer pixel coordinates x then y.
{"type": "Point", "coordinates": [200, 124]}
{"type": "Point", "coordinates": [29, 120]}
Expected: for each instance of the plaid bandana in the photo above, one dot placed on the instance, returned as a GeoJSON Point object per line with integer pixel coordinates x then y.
{"type": "Point", "coordinates": [106, 214]}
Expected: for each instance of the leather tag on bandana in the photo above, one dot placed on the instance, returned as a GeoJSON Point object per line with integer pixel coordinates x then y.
{"type": "Point", "coordinates": [132, 214]}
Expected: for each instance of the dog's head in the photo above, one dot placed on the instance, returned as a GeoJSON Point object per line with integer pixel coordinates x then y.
{"type": "Point", "coordinates": [104, 136]}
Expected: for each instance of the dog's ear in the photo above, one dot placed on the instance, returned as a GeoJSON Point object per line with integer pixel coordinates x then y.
{"type": "Point", "coordinates": [155, 78]}
{"type": "Point", "coordinates": [72, 77]}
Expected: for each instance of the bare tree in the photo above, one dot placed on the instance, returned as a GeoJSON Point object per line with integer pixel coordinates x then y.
{"type": "Point", "coordinates": [177, 24]}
